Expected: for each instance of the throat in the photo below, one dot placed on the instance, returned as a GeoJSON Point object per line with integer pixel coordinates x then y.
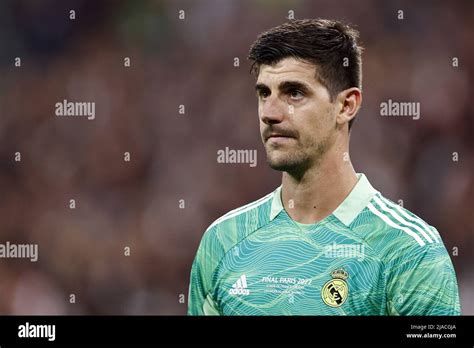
{"type": "Point", "coordinates": [313, 199]}
{"type": "Point", "coordinates": [307, 214]}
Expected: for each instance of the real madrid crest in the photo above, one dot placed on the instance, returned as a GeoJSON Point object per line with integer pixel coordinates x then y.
{"type": "Point", "coordinates": [335, 291]}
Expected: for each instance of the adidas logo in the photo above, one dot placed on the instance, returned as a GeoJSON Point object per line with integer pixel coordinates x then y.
{"type": "Point", "coordinates": [240, 286]}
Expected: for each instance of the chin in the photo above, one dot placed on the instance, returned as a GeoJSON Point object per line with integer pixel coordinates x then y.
{"type": "Point", "coordinates": [284, 165]}
{"type": "Point", "coordinates": [277, 165]}
{"type": "Point", "coordinates": [290, 163]}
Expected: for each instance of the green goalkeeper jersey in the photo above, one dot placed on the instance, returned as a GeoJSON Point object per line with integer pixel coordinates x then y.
{"type": "Point", "coordinates": [369, 257]}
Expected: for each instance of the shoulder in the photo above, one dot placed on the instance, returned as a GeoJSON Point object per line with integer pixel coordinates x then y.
{"type": "Point", "coordinates": [403, 241]}
{"type": "Point", "coordinates": [391, 229]}
{"type": "Point", "coordinates": [232, 227]}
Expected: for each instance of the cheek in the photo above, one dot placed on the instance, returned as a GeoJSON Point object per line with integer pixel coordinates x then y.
{"type": "Point", "coordinates": [260, 114]}
{"type": "Point", "coordinates": [321, 114]}
{"type": "Point", "coordinates": [262, 125]}
{"type": "Point", "coordinates": [313, 122]}
{"type": "Point", "coordinates": [307, 119]}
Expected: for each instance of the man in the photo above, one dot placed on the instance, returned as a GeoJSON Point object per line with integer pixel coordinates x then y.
{"type": "Point", "coordinates": [325, 242]}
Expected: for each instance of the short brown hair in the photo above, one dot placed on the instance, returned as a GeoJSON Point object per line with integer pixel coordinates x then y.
{"type": "Point", "coordinates": [325, 43]}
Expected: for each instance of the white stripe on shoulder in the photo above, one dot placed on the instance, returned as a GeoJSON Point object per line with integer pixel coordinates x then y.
{"type": "Point", "coordinates": [411, 218]}
{"type": "Point", "coordinates": [400, 219]}
{"type": "Point", "coordinates": [393, 224]}
{"type": "Point", "coordinates": [242, 209]}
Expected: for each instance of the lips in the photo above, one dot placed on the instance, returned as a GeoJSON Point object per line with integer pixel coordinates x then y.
{"type": "Point", "coordinates": [277, 135]}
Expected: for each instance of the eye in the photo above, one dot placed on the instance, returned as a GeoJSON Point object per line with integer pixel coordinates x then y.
{"type": "Point", "coordinates": [296, 94]}
{"type": "Point", "coordinates": [263, 94]}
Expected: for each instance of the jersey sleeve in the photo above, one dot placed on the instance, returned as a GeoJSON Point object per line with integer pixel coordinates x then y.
{"type": "Point", "coordinates": [200, 297]}
{"type": "Point", "coordinates": [422, 281]}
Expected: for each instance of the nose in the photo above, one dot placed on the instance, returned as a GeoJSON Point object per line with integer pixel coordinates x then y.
{"type": "Point", "coordinates": [272, 111]}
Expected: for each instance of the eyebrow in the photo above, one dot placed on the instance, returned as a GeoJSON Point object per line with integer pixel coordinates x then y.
{"type": "Point", "coordinates": [285, 86]}
{"type": "Point", "coordinates": [261, 87]}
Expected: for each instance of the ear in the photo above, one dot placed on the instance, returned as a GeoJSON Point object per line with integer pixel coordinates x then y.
{"type": "Point", "coordinates": [348, 103]}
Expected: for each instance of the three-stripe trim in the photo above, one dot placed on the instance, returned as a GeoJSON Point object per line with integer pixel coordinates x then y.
{"type": "Point", "coordinates": [394, 216]}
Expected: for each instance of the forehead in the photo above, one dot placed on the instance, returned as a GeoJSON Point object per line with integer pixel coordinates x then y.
{"type": "Point", "coordinates": [288, 69]}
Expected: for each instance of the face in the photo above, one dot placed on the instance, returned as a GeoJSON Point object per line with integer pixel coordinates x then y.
{"type": "Point", "coordinates": [297, 117]}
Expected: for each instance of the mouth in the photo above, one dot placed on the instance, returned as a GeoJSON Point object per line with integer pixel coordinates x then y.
{"type": "Point", "coordinates": [278, 138]}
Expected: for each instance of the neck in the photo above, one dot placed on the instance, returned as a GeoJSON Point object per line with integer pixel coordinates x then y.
{"type": "Point", "coordinates": [313, 195]}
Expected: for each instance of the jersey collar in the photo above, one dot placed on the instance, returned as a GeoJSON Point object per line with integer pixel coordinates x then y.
{"type": "Point", "coordinates": [348, 210]}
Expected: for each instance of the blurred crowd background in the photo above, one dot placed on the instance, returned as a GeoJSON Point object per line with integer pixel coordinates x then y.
{"type": "Point", "coordinates": [190, 62]}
